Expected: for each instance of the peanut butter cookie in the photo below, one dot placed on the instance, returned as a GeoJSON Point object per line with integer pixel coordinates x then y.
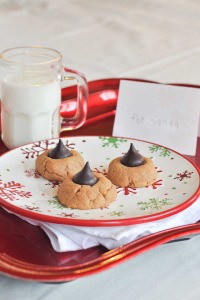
{"type": "Point", "coordinates": [132, 170]}
{"type": "Point", "coordinates": [93, 191]}
{"type": "Point", "coordinates": [59, 163]}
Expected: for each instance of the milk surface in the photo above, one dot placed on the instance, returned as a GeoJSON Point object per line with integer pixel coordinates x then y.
{"type": "Point", "coordinates": [30, 110]}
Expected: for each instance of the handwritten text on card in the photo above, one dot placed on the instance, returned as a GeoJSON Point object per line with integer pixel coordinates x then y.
{"type": "Point", "coordinates": [153, 122]}
{"type": "Point", "coordinates": [158, 113]}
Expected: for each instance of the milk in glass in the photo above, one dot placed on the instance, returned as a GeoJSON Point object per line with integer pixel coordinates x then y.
{"type": "Point", "coordinates": [30, 109]}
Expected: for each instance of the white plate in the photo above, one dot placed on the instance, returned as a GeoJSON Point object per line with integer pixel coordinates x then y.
{"type": "Point", "coordinates": [26, 193]}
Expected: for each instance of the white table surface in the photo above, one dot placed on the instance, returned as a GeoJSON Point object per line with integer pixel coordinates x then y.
{"type": "Point", "coordinates": [149, 39]}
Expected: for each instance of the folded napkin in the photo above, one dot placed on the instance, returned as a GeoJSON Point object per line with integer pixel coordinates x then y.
{"type": "Point", "coordinates": [70, 238]}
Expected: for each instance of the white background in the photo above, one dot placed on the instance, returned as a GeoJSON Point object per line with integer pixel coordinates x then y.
{"type": "Point", "coordinates": [149, 39]}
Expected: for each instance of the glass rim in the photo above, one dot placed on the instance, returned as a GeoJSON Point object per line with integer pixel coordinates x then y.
{"type": "Point", "coordinates": [31, 47]}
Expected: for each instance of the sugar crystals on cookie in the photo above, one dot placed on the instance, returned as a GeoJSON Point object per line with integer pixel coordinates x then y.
{"type": "Point", "coordinates": [132, 169]}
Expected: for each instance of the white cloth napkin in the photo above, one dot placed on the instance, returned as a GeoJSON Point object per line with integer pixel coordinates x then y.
{"type": "Point", "coordinates": [70, 238]}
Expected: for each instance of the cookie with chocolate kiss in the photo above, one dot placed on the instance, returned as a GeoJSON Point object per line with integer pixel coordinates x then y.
{"type": "Point", "coordinates": [132, 170]}
{"type": "Point", "coordinates": [59, 163]}
{"type": "Point", "coordinates": [60, 151]}
{"type": "Point", "coordinates": [85, 176]}
{"type": "Point", "coordinates": [87, 190]}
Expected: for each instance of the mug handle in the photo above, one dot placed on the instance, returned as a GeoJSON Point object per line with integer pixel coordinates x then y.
{"type": "Point", "coordinates": [82, 99]}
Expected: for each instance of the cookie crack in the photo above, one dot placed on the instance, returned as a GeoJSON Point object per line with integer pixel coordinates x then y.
{"type": "Point", "coordinates": [66, 170]}
{"type": "Point", "coordinates": [107, 191]}
{"type": "Point", "coordinates": [46, 171]}
{"type": "Point", "coordinates": [78, 190]}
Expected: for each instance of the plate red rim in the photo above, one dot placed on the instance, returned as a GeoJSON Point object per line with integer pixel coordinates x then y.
{"type": "Point", "coordinates": [105, 223]}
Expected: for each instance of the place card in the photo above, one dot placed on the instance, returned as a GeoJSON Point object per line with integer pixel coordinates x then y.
{"type": "Point", "coordinates": [157, 113]}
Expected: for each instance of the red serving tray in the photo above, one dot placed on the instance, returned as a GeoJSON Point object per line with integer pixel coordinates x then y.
{"type": "Point", "coordinates": [25, 250]}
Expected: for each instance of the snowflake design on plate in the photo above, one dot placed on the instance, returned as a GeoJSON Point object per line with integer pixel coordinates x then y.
{"type": "Point", "coordinates": [65, 215]}
{"type": "Point", "coordinates": [36, 149]}
{"type": "Point", "coordinates": [53, 184]}
{"type": "Point", "coordinates": [32, 173]}
{"type": "Point", "coordinates": [155, 203]}
{"type": "Point", "coordinates": [158, 171]}
{"type": "Point", "coordinates": [163, 151]}
{"type": "Point", "coordinates": [31, 208]}
{"type": "Point", "coordinates": [184, 175]}
{"type": "Point", "coordinates": [55, 203]}
{"type": "Point", "coordinates": [101, 170]}
{"type": "Point", "coordinates": [39, 147]}
{"type": "Point", "coordinates": [117, 213]}
{"type": "Point", "coordinates": [12, 190]}
{"type": "Point", "coordinates": [113, 141]}
{"type": "Point", "coordinates": [126, 190]}
{"type": "Point", "coordinates": [156, 184]}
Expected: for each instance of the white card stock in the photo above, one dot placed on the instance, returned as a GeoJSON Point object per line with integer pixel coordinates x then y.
{"type": "Point", "coordinates": [158, 113]}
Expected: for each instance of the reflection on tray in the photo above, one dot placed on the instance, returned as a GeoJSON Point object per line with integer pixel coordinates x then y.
{"type": "Point", "coordinates": [29, 243]}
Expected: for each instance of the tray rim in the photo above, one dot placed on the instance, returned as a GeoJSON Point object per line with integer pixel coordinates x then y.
{"type": "Point", "coordinates": [134, 248]}
{"type": "Point", "coordinates": [23, 270]}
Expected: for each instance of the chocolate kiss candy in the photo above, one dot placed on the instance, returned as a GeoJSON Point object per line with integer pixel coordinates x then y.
{"type": "Point", "coordinates": [60, 151]}
{"type": "Point", "coordinates": [132, 158]}
{"type": "Point", "coordinates": [85, 176]}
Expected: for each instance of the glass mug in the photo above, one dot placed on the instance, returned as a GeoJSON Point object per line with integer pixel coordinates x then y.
{"type": "Point", "coordinates": [31, 95]}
